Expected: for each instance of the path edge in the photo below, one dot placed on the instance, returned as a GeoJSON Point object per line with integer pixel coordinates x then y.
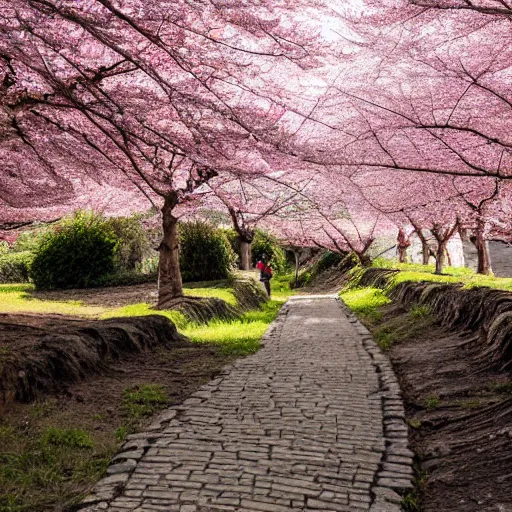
{"type": "Point", "coordinates": [127, 457]}
{"type": "Point", "coordinates": [394, 478]}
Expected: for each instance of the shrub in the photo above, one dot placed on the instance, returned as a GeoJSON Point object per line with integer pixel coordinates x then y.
{"type": "Point", "coordinates": [126, 278]}
{"type": "Point", "coordinates": [328, 260]}
{"type": "Point", "coordinates": [77, 253]}
{"type": "Point", "coordinates": [233, 239]}
{"type": "Point", "coordinates": [266, 243]}
{"type": "Point", "coordinates": [302, 280]}
{"type": "Point", "coordinates": [205, 252]}
{"type": "Point", "coordinates": [15, 266]}
{"type": "Point", "coordinates": [29, 241]}
{"type": "Point", "coordinates": [134, 244]}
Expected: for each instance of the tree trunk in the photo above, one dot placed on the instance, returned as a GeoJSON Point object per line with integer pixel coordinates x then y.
{"type": "Point", "coordinates": [425, 250]}
{"type": "Point", "coordinates": [440, 257]}
{"type": "Point", "coordinates": [364, 260]}
{"type": "Point", "coordinates": [170, 285]}
{"type": "Point", "coordinates": [482, 247]}
{"type": "Point", "coordinates": [245, 255]}
{"type": "Point", "coordinates": [402, 254]}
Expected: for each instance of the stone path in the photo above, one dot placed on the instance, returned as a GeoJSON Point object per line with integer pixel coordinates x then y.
{"type": "Point", "coordinates": [313, 421]}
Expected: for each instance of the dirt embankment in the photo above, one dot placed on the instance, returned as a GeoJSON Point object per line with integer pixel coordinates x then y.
{"type": "Point", "coordinates": [47, 354]}
{"type": "Point", "coordinates": [455, 373]}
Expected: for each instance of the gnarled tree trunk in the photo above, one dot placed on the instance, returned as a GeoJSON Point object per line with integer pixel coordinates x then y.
{"type": "Point", "coordinates": [443, 235]}
{"type": "Point", "coordinates": [425, 247]}
{"type": "Point", "coordinates": [297, 264]}
{"type": "Point", "coordinates": [363, 258]}
{"type": "Point", "coordinates": [425, 251]}
{"type": "Point", "coordinates": [484, 258]}
{"type": "Point", "coordinates": [170, 285]}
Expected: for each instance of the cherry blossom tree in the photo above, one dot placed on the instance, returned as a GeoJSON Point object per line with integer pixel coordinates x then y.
{"type": "Point", "coordinates": [251, 202]}
{"type": "Point", "coordinates": [142, 95]}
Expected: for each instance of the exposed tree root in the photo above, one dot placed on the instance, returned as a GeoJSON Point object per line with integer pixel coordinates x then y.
{"type": "Point", "coordinates": [249, 294]}
{"type": "Point", "coordinates": [201, 309]}
{"type": "Point", "coordinates": [484, 311]}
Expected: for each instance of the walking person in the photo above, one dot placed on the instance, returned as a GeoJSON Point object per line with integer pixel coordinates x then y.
{"type": "Point", "coordinates": [265, 273]}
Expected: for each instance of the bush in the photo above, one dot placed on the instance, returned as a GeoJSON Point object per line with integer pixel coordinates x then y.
{"type": "Point", "coordinates": [266, 243]}
{"type": "Point", "coordinates": [77, 253]}
{"type": "Point", "coordinates": [205, 252]}
{"type": "Point", "coordinates": [15, 266]}
{"type": "Point", "coordinates": [126, 278]}
{"type": "Point", "coordinates": [233, 239]}
{"type": "Point", "coordinates": [134, 244]}
{"type": "Point", "coordinates": [328, 260]}
{"type": "Point", "coordinates": [30, 240]}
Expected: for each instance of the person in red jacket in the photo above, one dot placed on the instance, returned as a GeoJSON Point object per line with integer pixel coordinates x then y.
{"type": "Point", "coordinates": [265, 273]}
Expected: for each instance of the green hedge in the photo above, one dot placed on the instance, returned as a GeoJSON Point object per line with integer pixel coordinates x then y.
{"type": "Point", "coordinates": [205, 252]}
{"type": "Point", "coordinates": [134, 243]}
{"type": "Point", "coordinates": [15, 266]}
{"type": "Point", "coordinates": [77, 253]}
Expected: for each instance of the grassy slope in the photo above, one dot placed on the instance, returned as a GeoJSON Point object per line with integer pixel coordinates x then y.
{"type": "Point", "coordinates": [46, 462]}
{"type": "Point", "coordinates": [367, 301]}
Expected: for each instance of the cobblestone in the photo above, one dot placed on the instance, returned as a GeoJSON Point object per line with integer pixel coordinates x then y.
{"type": "Point", "coordinates": [313, 421]}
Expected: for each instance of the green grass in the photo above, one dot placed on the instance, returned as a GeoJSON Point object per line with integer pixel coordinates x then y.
{"type": "Point", "coordinates": [432, 402]}
{"type": "Point", "coordinates": [220, 292]}
{"type": "Point", "coordinates": [418, 311]}
{"type": "Point", "coordinates": [237, 337]}
{"type": "Point", "coordinates": [17, 299]}
{"type": "Point", "coordinates": [365, 301]}
{"type": "Point", "coordinates": [143, 309]}
{"type": "Point", "coordinates": [280, 287]}
{"type": "Point", "coordinates": [71, 438]}
{"type": "Point", "coordinates": [37, 471]}
{"type": "Point", "coordinates": [142, 401]}
{"type": "Point", "coordinates": [466, 276]}
{"type": "Point", "coordinates": [411, 502]}
{"type": "Point", "coordinates": [385, 337]}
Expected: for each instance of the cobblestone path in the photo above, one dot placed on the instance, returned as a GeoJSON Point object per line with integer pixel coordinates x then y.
{"type": "Point", "coordinates": [313, 421]}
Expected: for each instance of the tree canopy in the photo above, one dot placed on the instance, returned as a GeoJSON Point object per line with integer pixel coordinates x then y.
{"type": "Point", "coordinates": [333, 123]}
